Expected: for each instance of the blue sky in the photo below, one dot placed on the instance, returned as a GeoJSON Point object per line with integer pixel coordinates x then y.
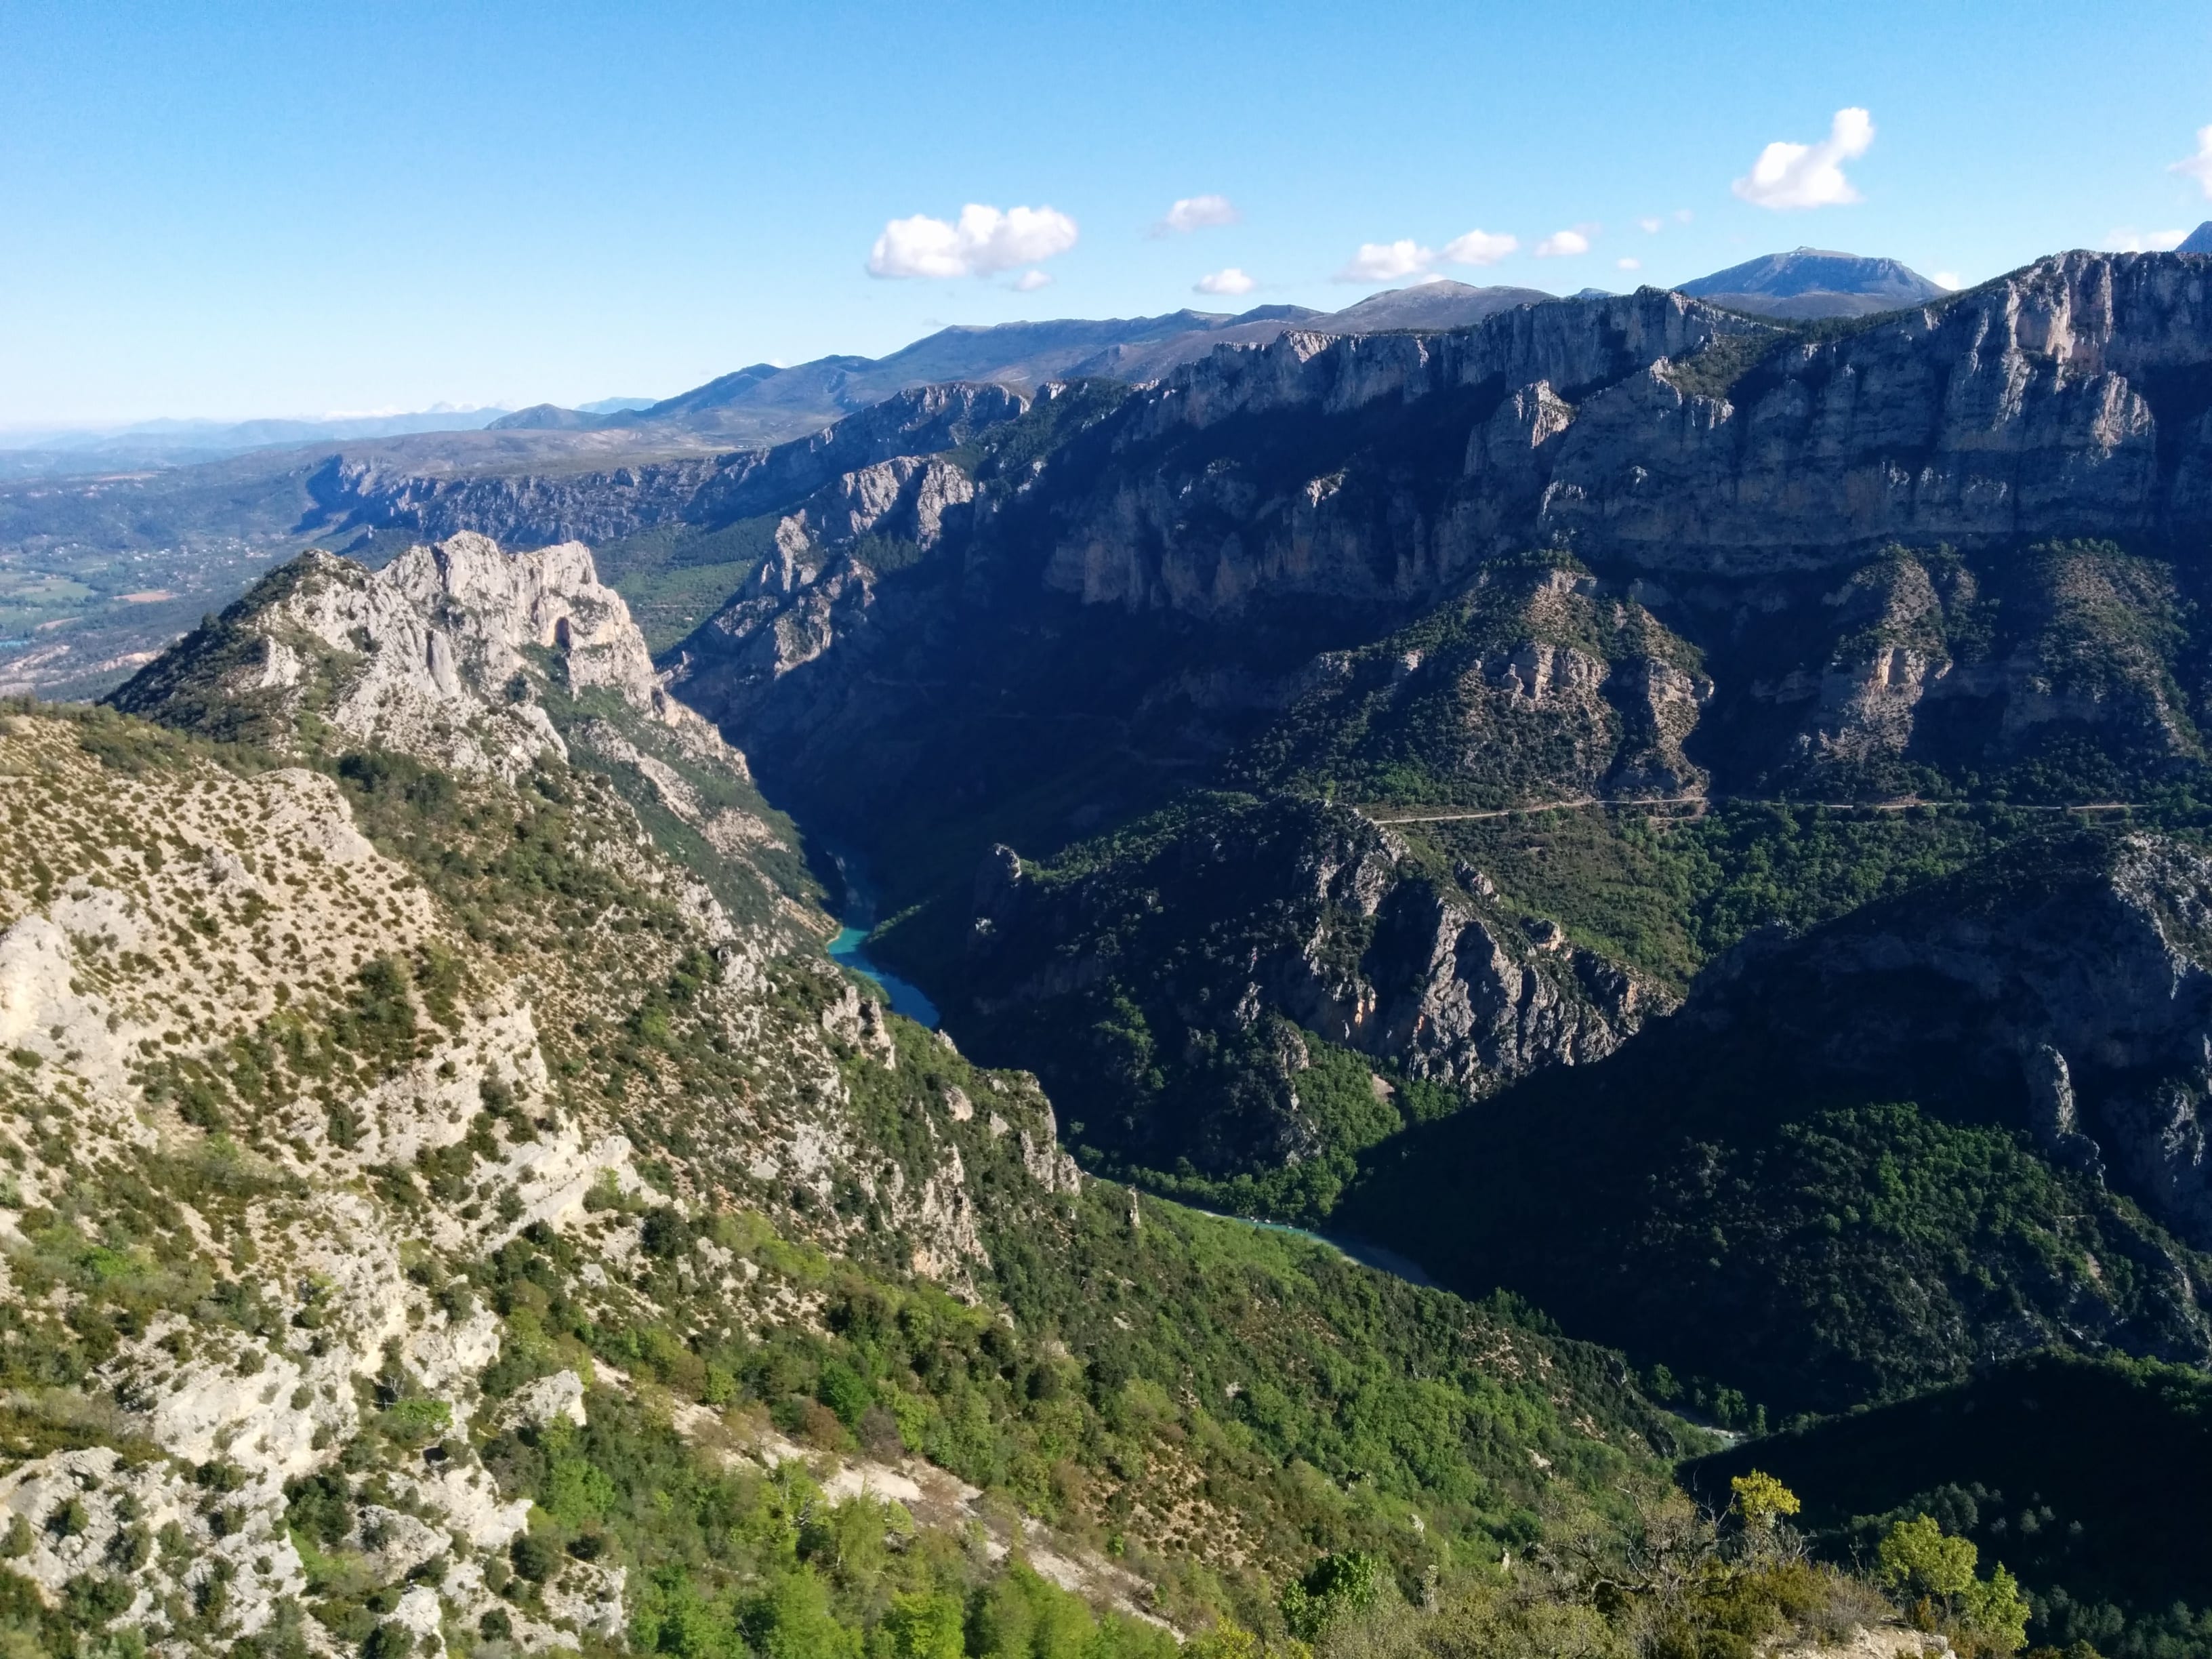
{"type": "Point", "coordinates": [235, 210]}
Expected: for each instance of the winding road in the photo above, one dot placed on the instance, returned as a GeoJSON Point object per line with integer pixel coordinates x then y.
{"type": "Point", "coordinates": [1698, 804]}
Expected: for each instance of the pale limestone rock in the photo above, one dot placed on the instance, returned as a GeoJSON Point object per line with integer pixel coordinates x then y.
{"type": "Point", "coordinates": [589, 1595]}
{"type": "Point", "coordinates": [560, 1395]}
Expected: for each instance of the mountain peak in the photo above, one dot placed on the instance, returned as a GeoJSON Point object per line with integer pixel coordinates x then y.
{"type": "Point", "coordinates": [1812, 281]}
{"type": "Point", "coordinates": [2198, 240]}
{"type": "Point", "coordinates": [1440, 305]}
{"type": "Point", "coordinates": [429, 654]}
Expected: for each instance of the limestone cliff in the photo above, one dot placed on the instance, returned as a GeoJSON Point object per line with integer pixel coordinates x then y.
{"type": "Point", "coordinates": [532, 509]}
{"type": "Point", "coordinates": [1132, 972]}
{"type": "Point", "coordinates": [2067, 399]}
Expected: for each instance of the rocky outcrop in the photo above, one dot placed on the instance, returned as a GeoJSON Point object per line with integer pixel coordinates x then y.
{"type": "Point", "coordinates": [818, 590]}
{"type": "Point", "coordinates": [481, 663]}
{"type": "Point", "coordinates": [433, 655]}
{"type": "Point", "coordinates": [1231, 928]}
{"type": "Point", "coordinates": [1540, 682]}
{"type": "Point", "coordinates": [1478, 1007]}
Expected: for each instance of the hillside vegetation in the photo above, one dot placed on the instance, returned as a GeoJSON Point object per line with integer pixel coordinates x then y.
{"type": "Point", "coordinates": [435, 1220]}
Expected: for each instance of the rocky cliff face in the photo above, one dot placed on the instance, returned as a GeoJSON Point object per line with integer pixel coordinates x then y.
{"type": "Point", "coordinates": [2065, 400]}
{"type": "Point", "coordinates": [479, 662]}
{"type": "Point", "coordinates": [600, 506]}
{"type": "Point", "coordinates": [432, 654]}
{"type": "Point", "coordinates": [1196, 935]}
{"type": "Point", "coordinates": [1735, 484]}
{"type": "Point", "coordinates": [1541, 682]}
{"type": "Point", "coordinates": [819, 586]}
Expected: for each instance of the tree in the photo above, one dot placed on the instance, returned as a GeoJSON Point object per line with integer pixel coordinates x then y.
{"type": "Point", "coordinates": [925, 1626]}
{"type": "Point", "coordinates": [790, 1619]}
{"type": "Point", "coordinates": [1997, 1612]}
{"type": "Point", "coordinates": [1227, 1639]}
{"type": "Point", "coordinates": [1936, 1573]}
{"type": "Point", "coordinates": [1353, 1582]}
{"type": "Point", "coordinates": [1918, 1562]}
{"type": "Point", "coordinates": [1763, 1504]}
{"type": "Point", "coordinates": [1762, 1500]}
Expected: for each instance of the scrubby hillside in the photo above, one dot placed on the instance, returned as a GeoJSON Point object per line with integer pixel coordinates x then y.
{"type": "Point", "coordinates": [451, 1205]}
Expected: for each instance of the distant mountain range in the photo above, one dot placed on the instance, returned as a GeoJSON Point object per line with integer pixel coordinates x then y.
{"type": "Point", "coordinates": [761, 403]}
{"type": "Point", "coordinates": [766, 403]}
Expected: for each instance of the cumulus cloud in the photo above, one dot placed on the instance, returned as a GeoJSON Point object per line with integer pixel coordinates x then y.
{"type": "Point", "coordinates": [982, 243]}
{"type": "Point", "coordinates": [2199, 166]}
{"type": "Point", "coordinates": [1564, 242]}
{"type": "Point", "coordinates": [1948, 279]}
{"type": "Point", "coordinates": [1387, 262]}
{"type": "Point", "coordinates": [1788, 175]}
{"type": "Point", "coordinates": [1030, 281]}
{"type": "Point", "coordinates": [1628, 265]}
{"type": "Point", "coordinates": [1196, 213]}
{"type": "Point", "coordinates": [2144, 241]}
{"type": "Point", "coordinates": [1231, 281]}
{"type": "Point", "coordinates": [1651, 224]}
{"type": "Point", "coordinates": [1479, 247]}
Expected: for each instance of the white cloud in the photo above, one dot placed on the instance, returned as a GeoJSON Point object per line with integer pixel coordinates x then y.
{"type": "Point", "coordinates": [1231, 281]}
{"type": "Point", "coordinates": [984, 241]}
{"type": "Point", "coordinates": [1683, 216]}
{"type": "Point", "coordinates": [1479, 247]}
{"type": "Point", "coordinates": [1809, 175]}
{"type": "Point", "coordinates": [2199, 166]}
{"type": "Point", "coordinates": [2143, 241]}
{"type": "Point", "coordinates": [1563, 242]}
{"type": "Point", "coordinates": [1628, 265]}
{"type": "Point", "coordinates": [1651, 225]}
{"type": "Point", "coordinates": [1946, 279]}
{"type": "Point", "coordinates": [1030, 281]}
{"type": "Point", "coordinates": [1196, 213]}
{"type": "Point", "coordinates": [1387, 262]}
